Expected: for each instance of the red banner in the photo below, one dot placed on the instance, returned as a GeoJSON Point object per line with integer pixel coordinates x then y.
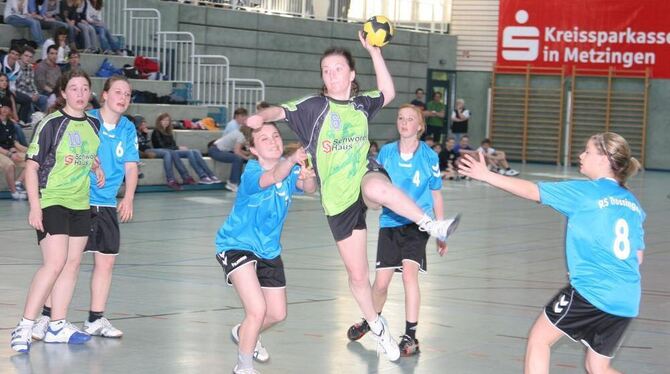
{"type": "Point", "coordinates": [594, 34]}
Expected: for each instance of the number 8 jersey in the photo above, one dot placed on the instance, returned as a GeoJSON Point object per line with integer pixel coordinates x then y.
{"type": "Point", "coordinates": [604, 233]}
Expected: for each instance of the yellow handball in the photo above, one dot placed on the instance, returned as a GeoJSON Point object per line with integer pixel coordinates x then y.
{"type": "Point", "coordinates": [378, 31]}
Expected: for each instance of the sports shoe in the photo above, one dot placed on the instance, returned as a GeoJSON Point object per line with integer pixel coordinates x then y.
{"type": "Point", "coordinates": [174, 185]}
{"type": "Point", "coordinates": [408, 346]}
{"type": "Point", "coordinates": [215, 179]}
{"type": "Point", "coordinates": [441, 229]}
{"type": "Point", "coordinates": [358, 330]}
{"type": "Point", "coordinates": [385, 341]}
{"type": "Point", "coordinates": [19, 186]}
{"type": "Point", "coordinates": [21, 338]}
{"type": "Point", "coordinates": [40, 327]}
{"type": "Point", "coordinates": [230, 186]}
{"type": "Point", "coordinates": [205, 180]}
{"type": "Point", "coordinates": [102, 327]}
{"type": "Point", "coordinates": [245, 371]}
{"type": "Point", "coordinates": [189, 180]}
{"type": "Point", "coordinates": [511, 172]}
{"type": "Point", "coordinates": [67, 333]}
{"type": "Point", "coordinates": [260, 353]}
{"type": "Point", "coordinates": [501, 171]}
{"type": "Point", "coordinates": [19, 195]}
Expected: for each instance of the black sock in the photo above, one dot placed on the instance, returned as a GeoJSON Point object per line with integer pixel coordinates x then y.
{"type": "Point", "coordinates": [46, 311]}
{"type": "Point", "coordinates": [94, 316]}
{"type": "Point", "coordinates": [410, 329]}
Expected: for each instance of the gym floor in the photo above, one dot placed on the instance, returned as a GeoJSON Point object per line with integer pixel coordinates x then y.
{"type": "Point", "coordinates": [478, 302]}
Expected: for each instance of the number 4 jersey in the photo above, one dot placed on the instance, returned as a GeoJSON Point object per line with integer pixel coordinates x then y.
{"type": "Point", "coordinates": [603, 235]}
{"type": "Point", "coordinates": [417, 176]}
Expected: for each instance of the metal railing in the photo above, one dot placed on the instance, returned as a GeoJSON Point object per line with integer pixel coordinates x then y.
{"type": "Point", "coordinates": [176, 52]}
{"type": "Point", "coordinates": [245, 93]}
{"type": "Point", "coordinates": [207, 76]}
{"type": "Point", "coordinates": [211, 75]}
{"type": "Point", "coordinates": [141, 29]}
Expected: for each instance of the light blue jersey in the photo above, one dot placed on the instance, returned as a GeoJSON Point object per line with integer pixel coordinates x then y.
{"type": "Point", "coordinates": [603, 236]}
{"type": "Point", "coordinates": [256, 221]}
{"type": "Point", "coordinates": [417, 177]}
{"type": "Point", "coordinates": [117, 146]}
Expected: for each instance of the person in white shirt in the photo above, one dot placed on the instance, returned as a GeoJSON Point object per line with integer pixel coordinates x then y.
{"type": "Point", "coordinates": [239, 119]}
{"type": "Point", "coordinates": [17, 15]}
{"type": "Point", "coordinates": [230, 149]}
{"type": "Point", "coordinates": [496, 160]}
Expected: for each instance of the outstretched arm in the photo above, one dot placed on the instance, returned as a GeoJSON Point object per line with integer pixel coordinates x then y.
{"type": "Point", "coordinates": [477, 169]}
{"type": "Point", "coordinates": [384, 79]}
{"type": "Point", "coordinates": [282, 169]}
{"type": "Point", "coordinates": [271, 114]}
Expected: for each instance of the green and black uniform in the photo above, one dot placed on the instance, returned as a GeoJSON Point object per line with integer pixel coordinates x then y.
{"type": "Point", "coordinates": [335, 134]}
{"type": "Point", "coordinates": [64, 147]}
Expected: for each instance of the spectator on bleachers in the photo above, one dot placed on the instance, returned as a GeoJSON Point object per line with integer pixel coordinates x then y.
{"type": "Point", "coordinates": [496, 160]}
{"type": "Point", "coordinates": [8, 95]}
{"type": "Point", "coordinates": [94, 18]}
{"type": "Point", "coordinates": [143, 138]}
{"type": "Point", "coordinates": [11, 66]}
{"type": "Point", "coordinates": [429, 141]}
{"type": "Point", "coordinates": [17, 15]}
{"type": "Point", "coordinates": [434, 114]}
{"type": "Point", "coordinates": [163, 142]}
{"type": "Point", "coordinates": [26, 91]}
{"type": "Point", "coordinates": [374, 149]}
{"type": "Point", "coordinates": [230, 149]}
{"type": "Point", "coordinates": [459, 118]}
{"type": "Point", "coordinates": [60, 41]}
{"type": "Point", "coordinates": [72, 61]}
{"type": "Point", "coordinates": [50, 10]}
{"type": "Point", "coordinates": [419, 99]}
{"type": "Point", "coordinates": [448, 157]}
{"type": "Point", "coordinates": [38, 12]}
{"type": "Point", "coordinates": [239, 119]}
{"type": "Point", "coordinates": [12, 153]}
{"type": "Point", "coordinates": [74, 12]}
{"type": "Point", "coordinates": [47, 73]}
{"type": "Point", "coordinates": [463, 148]}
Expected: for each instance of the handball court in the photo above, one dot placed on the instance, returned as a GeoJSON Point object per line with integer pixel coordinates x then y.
{"type": "Point", "coordinates": [478, 302]}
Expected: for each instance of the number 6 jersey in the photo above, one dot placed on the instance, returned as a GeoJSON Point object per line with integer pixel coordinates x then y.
{"type": "Point", "coordinates": [604, 233]}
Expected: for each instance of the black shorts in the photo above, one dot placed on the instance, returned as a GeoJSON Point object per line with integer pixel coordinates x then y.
{"type": "Point", "coordinates": [104, 236]}
{"type": "Point", "coordinates": [343, 224]}
{"type": "Point", "coordinates": [59, 220]}
{"type": "Point", "coordinates": [400, 243]}
{"type": "Point", "coordinates": [270, 273]}
{"type": "Point", "coordinates": [577, 318]}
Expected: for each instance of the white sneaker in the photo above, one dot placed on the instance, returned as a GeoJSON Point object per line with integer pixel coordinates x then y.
{"type": "Point", "coordinates": [21, 338]}
{"type": "Point", "coordinates": [245, 371]}
{"type": "Point", "coordinates": [385, 341]}
{"type": "Point", "coordinates": [260, 353]}
{"type": "Point", "coordinates": [18, 195]}
{"type": "Point", "coordinates": [65, 332]}
{"type": "Point", "coordinates": [230, 186]}
{"type": "Point", "coordinates": [511, 172]}
{"type": "Point", "coordinates": [40, 327]}
{"type": "Point", "coordinates": [19, 186]}
{"type": "Point", "coordinates": [215, 180]}
{"type": "Point", "coordinates": [441, 229]}
{"type": "Point", "coordinates": [102, 327]}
